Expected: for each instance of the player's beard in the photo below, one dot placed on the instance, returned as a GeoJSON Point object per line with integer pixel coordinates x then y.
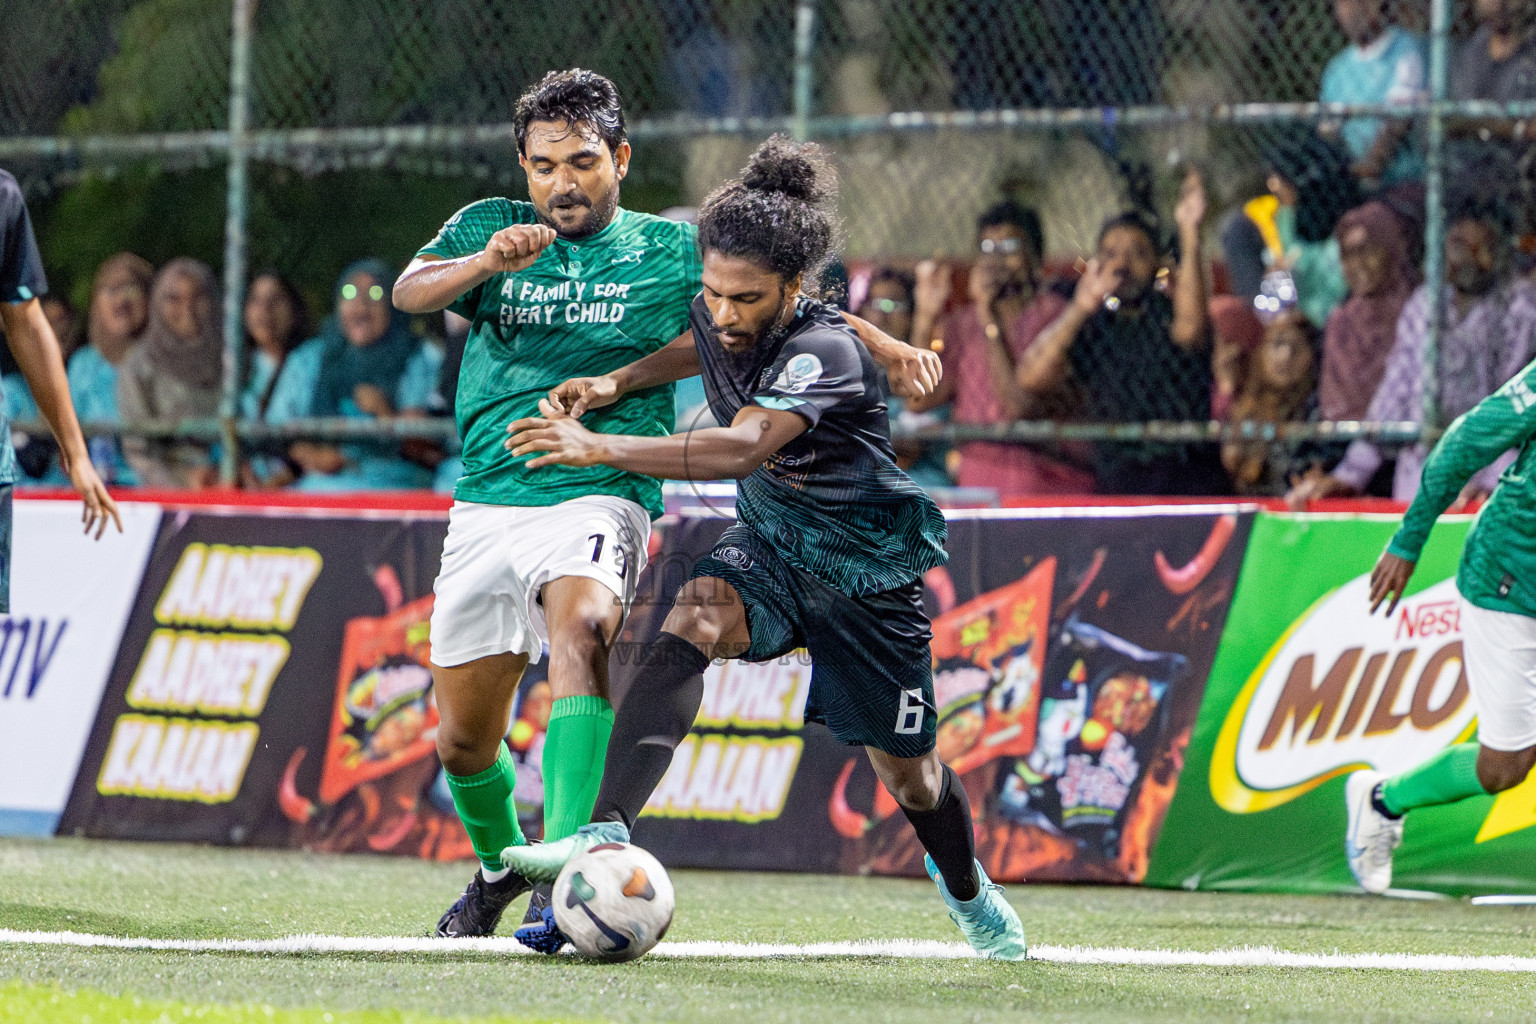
{"type": "Point", "coordinates": [599, 214]}
{"type": "Point", "coordinates": [770, 332]}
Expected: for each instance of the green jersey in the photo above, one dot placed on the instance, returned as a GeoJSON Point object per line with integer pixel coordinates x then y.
{"type": "Point", "coordinates": [1498, 564]}
{"type": "Point", "coordinates": [583, 308]}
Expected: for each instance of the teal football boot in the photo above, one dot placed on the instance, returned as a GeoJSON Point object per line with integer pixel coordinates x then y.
{"type": "Point", "coordinates": [988, 923]}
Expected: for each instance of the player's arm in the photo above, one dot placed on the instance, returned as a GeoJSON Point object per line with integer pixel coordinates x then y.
{"type": "Point", "coordinates": [717, 453]}
{"type": "Point", "coordinates": [37, 353]}
{"type": "Point", "coordinates": [913, 372]}
{"type": "Point", "coordinates": [674, 361]}
{"type": "Point", "coordinates": [431, 283]}
{"type": "Point", "coordinates": [1506, 419]}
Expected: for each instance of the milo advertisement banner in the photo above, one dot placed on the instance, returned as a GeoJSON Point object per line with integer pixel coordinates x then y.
{"type": "Point", "coordinates": [1070, 652]}
{"type": "Point", "coordinates": [1308, 687]}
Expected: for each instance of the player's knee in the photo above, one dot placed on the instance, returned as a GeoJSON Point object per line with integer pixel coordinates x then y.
{"type": "Point", "coordinates": [464, 753]}
{"type": "Point", "coordinates": [582, 634]}
{"type": "Point", "coordinates": [917, 795]}
{"type": "Point", "coordinates": [692, 622]}
{"type": "Point", "coordinates": [918, 789]}
{"type": "Point", "coordinates": [1501, 770]}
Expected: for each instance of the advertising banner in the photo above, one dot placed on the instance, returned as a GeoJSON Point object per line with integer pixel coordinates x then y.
{"type": "Point", "coordinates": [271, 688]}
{"type": "Point", "coordinates": [1308, 687]}
{"type": "Point", "coordinates": [70, 597]}
{"type": "Point", "coordinates": [1070, 654]}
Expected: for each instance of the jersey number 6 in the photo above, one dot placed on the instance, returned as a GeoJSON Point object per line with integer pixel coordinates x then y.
{"type": "Point", "coordinates": [909, 716]}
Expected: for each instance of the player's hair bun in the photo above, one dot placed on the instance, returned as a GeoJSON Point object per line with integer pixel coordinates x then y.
{"type": "Point", "coordinates": [779, 214]}
{"type": "Point", "coordinates": [799, 170]}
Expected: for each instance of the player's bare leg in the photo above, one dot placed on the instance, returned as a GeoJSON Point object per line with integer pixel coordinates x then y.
{"type": "Point", "coordinates": [932, 797]}
{"type": "Point", "coordinates": [1498, 770]}
{"type": "Point", "coordinates": [474, 703]}
{"type": "Point", "coordinates": [583, 618]}
{"type": "Point", "coordinates": [707, 620]}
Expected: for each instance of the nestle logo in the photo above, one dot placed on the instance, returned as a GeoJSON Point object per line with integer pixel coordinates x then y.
{"type": "Point", "coordinates": [1342, 688]}
{"type": "Point", "coordinates": [1432, 618]}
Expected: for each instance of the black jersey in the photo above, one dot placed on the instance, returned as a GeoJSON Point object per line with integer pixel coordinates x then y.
{"type": "Point", "coordinates": [21, 280]}
{"type": "Point", "coordinates": [832, 501]}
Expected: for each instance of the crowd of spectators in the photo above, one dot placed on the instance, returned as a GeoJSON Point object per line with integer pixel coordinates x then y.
{"type": "Point", "coordinates": [1326, 316]}
{"type": "Point", "coordinates": [153, 351]}
{"type": "Point", "coordinates": [1323, 316]}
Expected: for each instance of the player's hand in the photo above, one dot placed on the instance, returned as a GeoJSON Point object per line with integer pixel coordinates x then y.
{"type": "Point", "coordinates": [515, 248]}
{"type": "Point", "coordinates": [99, 506]}
{"type": "Point", "coordinates": [564, 441]}
{"type": "Point", "coordinates": [579, 394]}
{"type": "Point", "coordinates": [913, 372]}
{"type": "Point", "coordinates": [1097, 284]}
{"type": "Point", "coordinates": [1389, 579]}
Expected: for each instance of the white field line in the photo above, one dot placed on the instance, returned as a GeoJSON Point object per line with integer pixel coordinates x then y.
{"type": "Point", "coordinates": [1258, 956]}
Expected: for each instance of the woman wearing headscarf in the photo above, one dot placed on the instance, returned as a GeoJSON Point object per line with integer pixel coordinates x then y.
{"type": "Point", "coordinates": [115, 323]}
{"type": "Point", "coordinates": [1374, 250]}
{"type": "Point", "coordinates": [175, 373]}
{"type": "Point", "coordinates": [1487, 335]}
{"type": "Point", "coordinates": [365, 363]}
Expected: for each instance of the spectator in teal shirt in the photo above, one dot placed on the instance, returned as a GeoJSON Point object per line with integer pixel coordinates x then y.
{"type": "Point", "coordinates": [366, 363]}
{"type": "Point", "coordinates": [276, 322]}
{"type": "Point", "coordinates": [115, 323]}
{"type": "Point", "coordinates": [1382, 64]}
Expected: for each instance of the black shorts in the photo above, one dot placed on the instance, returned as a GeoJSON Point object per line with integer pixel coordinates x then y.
{"type": "Point", "coordinates": [871, 669]}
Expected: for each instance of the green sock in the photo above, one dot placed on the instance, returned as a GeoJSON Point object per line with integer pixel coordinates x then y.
{"type": "Point", "coordinates": [484, 803]}
{"type": "Point", "coordinates": [1449, 776]}
{"type": "Point", "coordinates": [574, 748]}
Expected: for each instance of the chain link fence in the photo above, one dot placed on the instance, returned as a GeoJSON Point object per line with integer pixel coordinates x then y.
{"type": "Point", "coordinates": [304, 133]}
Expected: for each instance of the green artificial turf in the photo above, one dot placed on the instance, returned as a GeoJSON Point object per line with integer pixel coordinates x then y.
{"type": "Point", "coordinates": [189, 892]}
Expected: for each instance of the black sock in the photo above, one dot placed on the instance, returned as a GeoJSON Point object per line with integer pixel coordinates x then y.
{"type": "Point", "coordinates": [946, 834]}
{"type": "Point", "coordinates": [656, 714]}
{"type": "Point", "coordinates": [1380, 805]}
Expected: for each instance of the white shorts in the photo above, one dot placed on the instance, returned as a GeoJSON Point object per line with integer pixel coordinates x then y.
{"type": "Point", "coordinates": [1500, 652]}
{"type": "Point", "coordinates": [497, 559]}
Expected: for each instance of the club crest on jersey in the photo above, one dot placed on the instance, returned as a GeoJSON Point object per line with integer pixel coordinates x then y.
{"type": "Point", "coordinates": [799, 373]}
{"type": "Point", "coordinates": [734, 557]}
{"type": "Point", "coordinates": [629, 256]}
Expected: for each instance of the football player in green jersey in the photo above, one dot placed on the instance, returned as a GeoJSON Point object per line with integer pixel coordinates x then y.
{"type": "Point", "coordinates": [1497, 580]}
{"type": "Point", "coordinates": [567, 285]}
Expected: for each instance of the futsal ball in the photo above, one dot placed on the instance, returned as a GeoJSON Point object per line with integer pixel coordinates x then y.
{"type": "Point", "coordinates": [613, 902]}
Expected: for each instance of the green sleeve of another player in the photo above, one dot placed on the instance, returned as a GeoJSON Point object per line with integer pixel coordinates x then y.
{"type": "Point", "coordinates": [695, 271]}
{"type": "Point", "coordinates": [1505, 419]}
